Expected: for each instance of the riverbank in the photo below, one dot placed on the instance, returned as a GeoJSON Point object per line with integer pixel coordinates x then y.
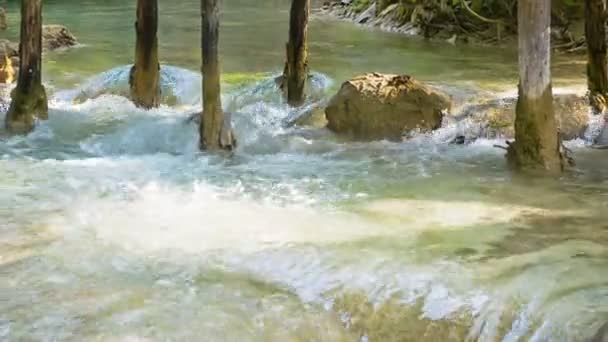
{"type": "Point", "coordinates": [459, 22]}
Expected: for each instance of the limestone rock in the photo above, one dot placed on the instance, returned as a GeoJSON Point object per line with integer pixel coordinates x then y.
{"type": "Point", "coordinates": [378, 106]}
{"type": "Point", "coordinates": [57, 36]}
{"type": "Point", "coordinates": [497, 117]}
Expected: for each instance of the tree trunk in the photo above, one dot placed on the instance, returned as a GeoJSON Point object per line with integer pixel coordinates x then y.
{"type": "Point", "coordinates": [29, 101]}
{"type": "Point", "coordinates": [215, 130]}
{"type": "Point", "coordinates": [537, 144]}
{"type": "Point", "coordinates": [296, 68]}
{"type": "Point", "coordinates": [597, 71]}
{"type": "Point", "coordinates": [3, 24]}
{"type": "Point", "coordinates": [144, 79]}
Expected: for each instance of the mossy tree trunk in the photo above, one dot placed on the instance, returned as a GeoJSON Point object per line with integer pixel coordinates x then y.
{"type": "Point", "coordinates": [29, 101]}
{"type": "Point", "coordinates": [597, 70]}
{"type": "Point", "coordinates": [144, 79]}
{"type": "Point", "coordinates": [215, 129]}
{"type": "Point", "coordinates": [537, 145]}
{"type": "Point", "coordinates": [3, 23]}
{"type": "Point", "coordinates": [296, 68]}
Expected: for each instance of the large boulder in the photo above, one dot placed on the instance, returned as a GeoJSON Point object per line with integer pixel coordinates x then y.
{"type": "Point", "coordinates": [56, 37]}
{"type": "Point", "coordinates": [377, 106]}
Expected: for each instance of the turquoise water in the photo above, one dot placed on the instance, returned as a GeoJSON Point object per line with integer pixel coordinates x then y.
{"type": "Point", "coordinates": [114, 227]}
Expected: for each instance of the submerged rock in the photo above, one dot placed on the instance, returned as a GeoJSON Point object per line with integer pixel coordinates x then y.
{"type": "Point", "coordinates": [376, 106]}
{"type": "Point", "coordinates": [602, 334]}
{"type": "Point", "coordinates": [310, 116]}
{"type": "Point", "coordinates": [56, 37]}
{"type": "Point", "coordinates": [496, 118]}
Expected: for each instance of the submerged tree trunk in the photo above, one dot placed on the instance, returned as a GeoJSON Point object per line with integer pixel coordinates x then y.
{"type": "Point", "coordinates": [537, 145]}
{"type": "Point", "coordinates": [597, 70]}
{"type": "Point", "coordinates": [215, 128]}
{"type": "Point", "coordinates": [144, 79]}
{"type": "Point", "coordinates": [29, 101]}
{"type": "Point", "coordinates": [296, 68]}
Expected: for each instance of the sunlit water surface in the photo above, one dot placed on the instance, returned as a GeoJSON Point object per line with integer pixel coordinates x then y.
{"type": "Point", "coordinates": [114, 227]}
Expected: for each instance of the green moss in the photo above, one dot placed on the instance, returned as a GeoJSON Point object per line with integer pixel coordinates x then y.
{"type": "Point", "coordinates": [25, 108]}
{"type": "Point", "coordinates": [396, 321]}
{"type": "Point", "coordinates": [240, 79]}
{"type": "Point", "coordinates": [499, 119]}
{"type": "Point", "coordinates": [360, 5]}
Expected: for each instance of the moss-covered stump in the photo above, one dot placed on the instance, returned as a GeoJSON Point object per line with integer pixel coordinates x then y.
{"type": "Point", "coordinates": [215, 127]}
{"type": "Point", "coordinates": [537, 144]}
{"type": "Point", "coordinates": [144, 79]}
{"type": "Point", "coordinates": [29, 101]}
{"type": "Point", "coordinates": [25, 108]}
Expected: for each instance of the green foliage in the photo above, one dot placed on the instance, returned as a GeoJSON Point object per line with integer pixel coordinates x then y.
{"type": "Point", "coordinates": [360, 5]}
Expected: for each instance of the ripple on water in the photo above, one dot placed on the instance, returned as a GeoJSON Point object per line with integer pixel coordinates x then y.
{"type": "Point", "coordinates": [116, 223]}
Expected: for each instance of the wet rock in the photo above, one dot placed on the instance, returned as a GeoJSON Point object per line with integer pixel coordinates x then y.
{"type": "Point", "coordinates": [459, 140]}
{"type": "Point", "coordinates": [496, 118]}
{"type": "Point", "coordinates": [312, 116]}
{"type": "Point", "coordinates": [56, 37]}
{"type": "Point", "coordinates": [8, 48]}
{"type": "Point", "coordinates": [194, 118]}
{"type": "Point", "coordinates": [377, 106]}
{"type": "Point", "coordinates": [602, 334]}
{"type": "Point", "coordinates": [368, 14]}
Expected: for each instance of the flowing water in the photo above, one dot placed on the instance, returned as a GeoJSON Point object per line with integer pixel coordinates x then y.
{"type": "Point", "coordinates": [113, 227]}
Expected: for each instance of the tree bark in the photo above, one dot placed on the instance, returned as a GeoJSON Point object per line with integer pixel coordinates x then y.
{"type": "Point", "coordinates": [144, 79]}
{"type": "Point", "coordinates": [296, 68]}
{"type": "Point", "coordinates": [597, 70]}
{"type": "Point", "coordinates": [215, 128]}
{"type": "Point", "coordinates": [3, 23]}
{"type": "Point", "coordinates": [537, 144]}
{"type": "Point", "coordinates": [29, 101]}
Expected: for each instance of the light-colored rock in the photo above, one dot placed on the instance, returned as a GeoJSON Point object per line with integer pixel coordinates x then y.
{"type": "Point", "coordinates": [497, 117]}
{"type": "Point", "coordinates": [56, 37]}
{"type": "Point", "coordinates": [378, 106]}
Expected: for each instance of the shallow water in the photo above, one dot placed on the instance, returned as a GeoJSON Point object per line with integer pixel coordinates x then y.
{"type": "Point", "coordinates": [114, 227]}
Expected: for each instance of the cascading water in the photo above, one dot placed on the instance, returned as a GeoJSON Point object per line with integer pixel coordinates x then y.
{"type": "Point", "coordinates": [117, 228]}
{"type": "Point", "coordinates": [114, 227]}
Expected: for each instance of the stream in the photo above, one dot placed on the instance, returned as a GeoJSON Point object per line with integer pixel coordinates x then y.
{"type": "Point", "coordinates": [114, 227]}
